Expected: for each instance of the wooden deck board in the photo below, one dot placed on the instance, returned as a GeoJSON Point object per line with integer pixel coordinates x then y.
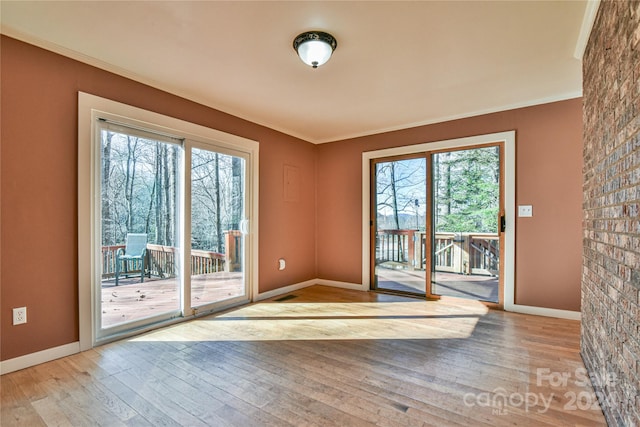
{"type": "Point", "coordinates": [324, 357]}
{"type": "Point", "coordinates": [476, 287]}
{"type": "Point", "coordinates": [132, 299]}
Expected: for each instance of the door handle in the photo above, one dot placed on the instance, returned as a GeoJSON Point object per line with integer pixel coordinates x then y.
{"type": "Point", "coordinates": [503, 223]}
{"type": "Point", "coordinates": [244, 226]}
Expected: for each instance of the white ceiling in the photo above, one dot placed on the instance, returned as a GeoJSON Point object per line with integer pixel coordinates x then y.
{"type": "Point", "coordinates": [397, 64]}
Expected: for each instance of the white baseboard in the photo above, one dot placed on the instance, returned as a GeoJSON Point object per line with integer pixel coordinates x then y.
{"type": "Point", "coordinates": [343, 285]}
{"type": "Point", "coordinates": [38, 357]}
{"type": "Point", "coordinates": [306, 284]}
{"type": "Point", "coordinates": [542, 311]}
{"type": "Point", "coordinates": [284, 290]}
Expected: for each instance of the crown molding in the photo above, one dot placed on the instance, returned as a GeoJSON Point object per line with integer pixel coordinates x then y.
{"type": "Point", "coordinates": [588, 20]}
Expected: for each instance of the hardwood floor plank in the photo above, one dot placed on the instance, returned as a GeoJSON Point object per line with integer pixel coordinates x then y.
{"type": "Point", "coordinates": [109, 400]}
{"type": "Point", "coordinates": [232, 401]}
{"type": "Point", "coordinates": [324, 370]}
{"type": "Point", "coordinates": [196, 401]}
{"type": "Point", "coordinates": [322, 386]}
{"type": "Point", "coordinates": [184, 373]}
{"type": "Point", "coordinates": [78, 406]}
{"type": "Point", "coordinates": [284, 395]}
{"type": "Point", "coordinates": [139, 421]}
{"type": "Point", "coordinates": [286, 380]}
{"type": "Point", "coordinates": [50, 413]}
{"type": "Point", "coordinates": [16, 407]}
{"type": "Point", "coordinates": [29, 386]}
{"type": "Point", "coordinates": [146, 410]}
{"type": "Point", "coordinates": [176, 405]}
{"type": "Point", "coordinates": [397, 391]}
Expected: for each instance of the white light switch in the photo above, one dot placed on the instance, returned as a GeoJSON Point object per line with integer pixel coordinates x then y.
{"type": "Point", "coordinates": [525, 210]}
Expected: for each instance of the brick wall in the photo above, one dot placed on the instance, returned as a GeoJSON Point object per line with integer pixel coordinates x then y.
{"type": "Point", "coordinates": [611, 254]}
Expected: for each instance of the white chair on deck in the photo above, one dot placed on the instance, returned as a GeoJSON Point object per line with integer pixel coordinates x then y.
{"type": "Point", "coordinates": [135, 250]}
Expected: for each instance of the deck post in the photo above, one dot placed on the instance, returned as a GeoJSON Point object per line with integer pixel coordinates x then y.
{"type": "Point", "coordinates": [457, 255]}
{"type": "Point", "coordinates": [233, 251]}
{"type": "Point", "coordinates": [411, 249]}
{"type": "Point", "coordinates": [466, 255]}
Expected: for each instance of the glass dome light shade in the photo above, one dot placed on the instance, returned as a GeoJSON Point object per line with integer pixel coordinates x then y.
{"type": "Point", "coordinates": [314, 48]}
{"type": "Point", "coordinates": [314, 52]}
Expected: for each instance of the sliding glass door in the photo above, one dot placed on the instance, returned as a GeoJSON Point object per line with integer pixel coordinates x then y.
{"type": "Point", "coordinates": [173, 226]}
{"type": "Point", "coordinates": [466, 222]}
{"type": "Point", "coordinates": [218, 226]}
{"type": "Point", "coordinates": [399, 213]}
{"type": "Point", "coordinates": [140, 227]}
{"type": "Point", "coordinates": [436, 223]}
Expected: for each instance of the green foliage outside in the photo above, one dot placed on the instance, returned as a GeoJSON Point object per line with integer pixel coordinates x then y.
{"type": "Point", "coordinates": [466, 186]}
{"type": "Point", "coordinates": [465, 192]}
{"type": "Point", "coordinates": [141, 181]}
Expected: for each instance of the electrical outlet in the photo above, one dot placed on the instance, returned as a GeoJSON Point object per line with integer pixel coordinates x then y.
{"type": "Point", "coordinates": [19, 315]}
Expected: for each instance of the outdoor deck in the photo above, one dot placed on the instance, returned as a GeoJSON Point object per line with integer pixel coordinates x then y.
{"type": "Point", "coordinates": [132, 300]}
{"type": "Point", "coordinates": [472, 286]}
{"type": "Point", "coordinates": [466, 264]}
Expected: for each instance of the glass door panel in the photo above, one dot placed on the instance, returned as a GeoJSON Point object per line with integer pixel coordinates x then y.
{"type": "Point", "coordinates": [466, 205]}
{"type": "Point", "coordinates": [217, 218]}
{"type": "Point", "coordinates": [139, 225]}
{"type": "Point", "coordinates": [399, 225]}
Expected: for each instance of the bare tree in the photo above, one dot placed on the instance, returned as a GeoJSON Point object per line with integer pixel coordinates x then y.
{"type": "Point", "coordinates": [399, 185]}
{"type": "Point", "coordinates": [237, 199]}
{"type": "Point", "coordinates": [108, 234]}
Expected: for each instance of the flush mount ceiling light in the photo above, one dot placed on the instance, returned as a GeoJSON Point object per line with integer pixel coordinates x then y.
{"type": "Point", "coordinates": [315, 47]}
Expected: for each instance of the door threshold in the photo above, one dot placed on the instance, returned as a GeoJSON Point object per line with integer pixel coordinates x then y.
{"type": "Point", "coordinates": [404, 294]}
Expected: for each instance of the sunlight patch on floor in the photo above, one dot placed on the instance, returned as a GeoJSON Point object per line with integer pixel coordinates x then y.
{"type": "Point", "coordinates": [272, 321]}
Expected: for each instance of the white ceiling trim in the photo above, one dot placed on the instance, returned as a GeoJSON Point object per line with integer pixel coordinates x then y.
{"type": "Point", "coordinates": [588, 20]}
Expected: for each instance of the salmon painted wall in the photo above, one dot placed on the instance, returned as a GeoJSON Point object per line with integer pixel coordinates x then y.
{"type": "Point", "coordinates": [38, 236]}
{"type": "Point", "coordinates": [548, 175]}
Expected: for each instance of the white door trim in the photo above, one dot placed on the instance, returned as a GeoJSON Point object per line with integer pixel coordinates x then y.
{"type": "Point", "coordinates": [509, 140]}
{"type": "Point", "coordinates": [88, 264]}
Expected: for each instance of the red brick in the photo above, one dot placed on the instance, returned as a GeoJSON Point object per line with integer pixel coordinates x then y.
{"type": "Point", "coordinates": [611, 266]}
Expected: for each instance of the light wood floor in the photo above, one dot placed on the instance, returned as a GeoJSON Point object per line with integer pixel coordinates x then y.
{"type": "Point", "coordinates": [322, 357]}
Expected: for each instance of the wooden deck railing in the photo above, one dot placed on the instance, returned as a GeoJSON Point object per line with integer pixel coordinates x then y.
{"type": "Point", "coordinates": [466, 253]}
{"type": "Point", "coordinates": [161, 261]}
{"type": "Point", "coordinates": [109, 260]}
